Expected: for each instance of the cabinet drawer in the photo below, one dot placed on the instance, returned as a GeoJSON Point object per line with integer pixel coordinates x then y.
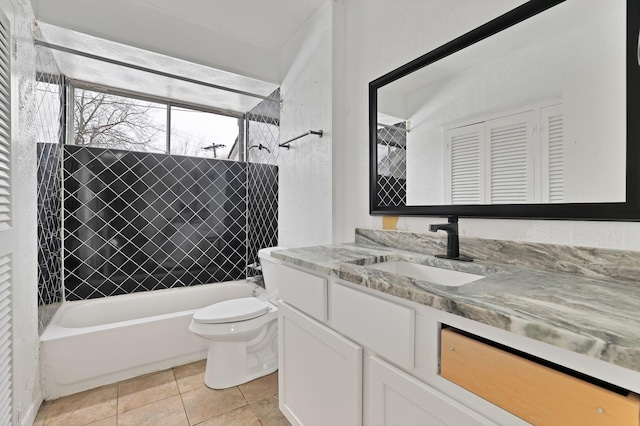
{"type": "Point", "coordinates": [305, 291]}
{"type": "Point", "coordinates": [380, 325]}
{"type": "Point", "coordinates": [534, 392]}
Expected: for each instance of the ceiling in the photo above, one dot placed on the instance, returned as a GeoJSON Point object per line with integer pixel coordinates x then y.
{"type": "Point", "coordinates": [145, 72]}
{"type": "Point", "coordinates": [243, 37]}
{"type": "Point", "coordinates": [269, 23]}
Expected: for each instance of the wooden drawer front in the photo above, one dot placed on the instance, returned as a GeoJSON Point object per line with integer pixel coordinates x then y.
{"type": "Point", "coordinates": [305, 291]}
{"type": "Point", "coordinates": [377, 324]}
{"type": "Point", "coordinates": [536, 393]}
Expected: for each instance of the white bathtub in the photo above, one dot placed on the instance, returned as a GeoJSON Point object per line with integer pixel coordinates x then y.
{"type": "Point", "coordinates": [99, 341]}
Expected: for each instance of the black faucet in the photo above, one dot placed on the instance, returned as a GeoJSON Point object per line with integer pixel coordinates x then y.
{"type": "Point", "coordinates": [453, 243]}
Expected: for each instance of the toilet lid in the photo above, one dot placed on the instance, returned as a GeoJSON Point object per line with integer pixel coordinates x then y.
{"type": "Point", "coordinates": [231, 310]}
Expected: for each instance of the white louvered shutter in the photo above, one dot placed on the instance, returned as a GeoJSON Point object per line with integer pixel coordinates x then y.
{"type": "Point", "coordinates": [7, 234]}
{"type": "Point", "coordinates": [464, 160]}
{"type": "Point", "coordinates": [510, 158]}
{"type": "Point", "coordinates": [552, 146]}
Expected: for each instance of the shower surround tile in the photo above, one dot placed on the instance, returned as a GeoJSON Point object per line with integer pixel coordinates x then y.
{"type": "Point", "coordinates": [262, 135]}
{"type": "Point", "coordinates": [49, 226]}
{"type": "Point", "coordinates": [48, 122]}
{"type": "Point", "coordinates": [137, 221]}
{"type": "Point", "coordinates": [392, 165]}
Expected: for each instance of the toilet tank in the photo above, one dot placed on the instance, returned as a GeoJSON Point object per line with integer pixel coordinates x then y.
{"type": "Point", "coordinates": [270, 270]}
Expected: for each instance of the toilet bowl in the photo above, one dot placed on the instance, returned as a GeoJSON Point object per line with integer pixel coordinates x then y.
{"type": "Point", "coordinates": [243, 333]}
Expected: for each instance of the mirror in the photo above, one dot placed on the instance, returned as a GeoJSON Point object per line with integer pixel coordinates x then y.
{"type": "Point", "coordinates": [525, 116]}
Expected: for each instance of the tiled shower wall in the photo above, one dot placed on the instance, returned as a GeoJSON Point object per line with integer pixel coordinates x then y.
{"type": "Point", "coordinates": [262, 135]}
{"type": "Point", "coordinates": [49, 137]}
{"type": "Point", "coordinates": [49, 243]}
{"type": "Point", "coordinates": [392, 165]}
{"type": "Point", "coordinates": [138, 221]}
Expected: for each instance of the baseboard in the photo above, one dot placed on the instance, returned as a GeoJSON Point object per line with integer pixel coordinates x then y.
{"type": "Point", "coordinates": [29, 416]}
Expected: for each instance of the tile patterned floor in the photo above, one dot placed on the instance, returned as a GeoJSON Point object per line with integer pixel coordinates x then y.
{"type": "Point", "coordinates": [174, 397]}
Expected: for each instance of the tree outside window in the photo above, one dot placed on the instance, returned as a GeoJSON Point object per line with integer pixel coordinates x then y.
{"type": "Point", "coordinates": [117, 122]}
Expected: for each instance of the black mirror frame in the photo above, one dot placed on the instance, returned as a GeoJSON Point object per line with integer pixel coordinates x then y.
{"type": "Point", "coordinates": [618, 211]}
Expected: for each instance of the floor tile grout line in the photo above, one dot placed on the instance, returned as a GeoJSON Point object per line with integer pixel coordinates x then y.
{"type": "Point", "coordinates": [149, 403]}
{"type": "Point", "coordinates": [243, 396]}
{"type": "Point", "coordinates": [117, 401]}
{"type": "Point", "coordinates": [188, 390]}
{"type": "Point", "coordinates": [184, 407]}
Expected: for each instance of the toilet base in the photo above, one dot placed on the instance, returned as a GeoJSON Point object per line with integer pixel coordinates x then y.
{"type": "Point", "coordinates": [234, 363]}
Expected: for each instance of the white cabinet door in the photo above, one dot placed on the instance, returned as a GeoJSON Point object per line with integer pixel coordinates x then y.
{"type": "Point", "coordinates": [320, 372]}
{"type": "Point", "coordinates": [395, 398]}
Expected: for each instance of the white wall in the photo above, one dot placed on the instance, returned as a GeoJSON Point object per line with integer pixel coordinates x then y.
{"type": "Point", "coordinates": [382, 35]}
{"type": "Point", "coordinates": [305, 204]}
{"type": "Point", "coordinates": [26, 373]}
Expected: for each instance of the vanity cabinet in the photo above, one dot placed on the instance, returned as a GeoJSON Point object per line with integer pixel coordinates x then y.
{"type": "Point", "coordinates": [359, 366]}
{"type": "Point", "coordinates": [384, 327]}
{"type": "Point", "coordinates": [320, 372]}
{"type": "Point", "coordinates": [395, 398]}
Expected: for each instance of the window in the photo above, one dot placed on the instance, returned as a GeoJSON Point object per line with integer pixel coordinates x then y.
{"type": "Point", "coordinates": [118, 121]}
{"type": "Point", "coordinates": [48, 110]}
{"type": "Point", "coordinates": [111, 121]}
{"type": "Point", "coordinates": [203, 134]}
{"type": "Point", "coordinates": [514, 157]}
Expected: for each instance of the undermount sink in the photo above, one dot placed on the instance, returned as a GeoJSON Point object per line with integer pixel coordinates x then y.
{"type": "Point", "coordinates": [426, 273]}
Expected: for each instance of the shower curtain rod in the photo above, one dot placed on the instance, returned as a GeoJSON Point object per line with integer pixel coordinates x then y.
{"type": "Point", "coordinates": [149, 70]}
{"type": "Point", "coordinates": [310, 132]}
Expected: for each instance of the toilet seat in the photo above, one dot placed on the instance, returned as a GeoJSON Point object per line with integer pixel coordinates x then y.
{"type": "Point", "coordinates": [232, 310]}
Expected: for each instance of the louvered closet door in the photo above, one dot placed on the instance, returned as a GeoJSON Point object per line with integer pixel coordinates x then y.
{"type": "Point", "coordinates": [464, 165]}
{"type": "Point", "coordinates": [7, 234]}
{"type": "Point", "coordinates": [552, 155]}
{"type": "Point", "coordinates": [510, 155]}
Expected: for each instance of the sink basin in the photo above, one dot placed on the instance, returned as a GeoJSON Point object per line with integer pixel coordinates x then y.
{"type": "Point", "coordinates": [426, 273]}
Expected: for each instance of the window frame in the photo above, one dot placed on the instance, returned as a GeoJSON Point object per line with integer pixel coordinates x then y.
{"type": "Point", "coordinates": [68, 109]}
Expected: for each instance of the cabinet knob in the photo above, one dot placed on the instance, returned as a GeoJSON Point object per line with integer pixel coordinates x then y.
{"type": "Point", "coordinates": [452, 348]}
{"type": "Point", "coordinates": [600, 410]}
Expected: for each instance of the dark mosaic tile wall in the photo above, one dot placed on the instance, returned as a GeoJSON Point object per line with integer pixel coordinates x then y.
{"type": "Point", "coordinates": [263, 208]}
{"type": "Point", "coordinates": [49, 135]}
{"type": "Point", "coordinates": [138, 221]}
{"type": "Point", "coordinates": [392, 191]}
{"type": "Point", "coordinates": [262, 134]}
{"type": "Point", "coordinates": [49, 242]}
{"type": "Point", "coordinates": [392, 165]}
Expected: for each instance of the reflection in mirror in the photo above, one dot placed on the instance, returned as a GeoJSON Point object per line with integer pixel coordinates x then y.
{"type": "Point", "coordinates": [392, 164]}
{"type": "Point", "coordinates": [534, 114]}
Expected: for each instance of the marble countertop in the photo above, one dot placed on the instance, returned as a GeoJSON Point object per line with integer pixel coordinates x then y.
{"type": "Point", "coordinates": [596, 317]}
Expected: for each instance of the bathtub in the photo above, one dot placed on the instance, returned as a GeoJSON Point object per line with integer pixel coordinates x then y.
{"type": "Point", "coordinates": [94, 342]}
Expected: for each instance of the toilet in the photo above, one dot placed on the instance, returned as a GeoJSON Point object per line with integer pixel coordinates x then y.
{"type": "Point", "coordinates": [243, 332]}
